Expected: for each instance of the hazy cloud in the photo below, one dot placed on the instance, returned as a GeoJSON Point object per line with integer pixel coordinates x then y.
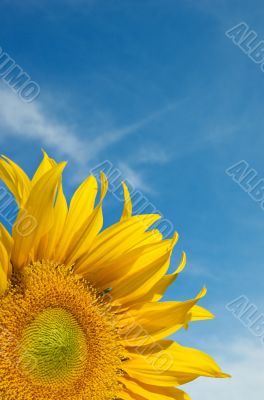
{"type": "Point", "coordinates": [244, 361]}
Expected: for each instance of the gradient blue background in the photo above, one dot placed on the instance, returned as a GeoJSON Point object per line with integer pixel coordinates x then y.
{"type": "Point", "coordinates": [157, 88]}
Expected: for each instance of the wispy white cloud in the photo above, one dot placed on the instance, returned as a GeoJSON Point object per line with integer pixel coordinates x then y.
{"type": "Point", "coordinates": [29, 121]}
{"type": "Point", "coordinates": [34, 121]}
{"type": "Point", "coordinates": [200, 269]}
{"type": "Point", "coordinates": [107, 138]}
{"type": "Point", "coordinates": [151, 155]}
{"type": "Point", "coordinates": [244, 361]}
{"type": "Point", "coordinates": [135, 178]}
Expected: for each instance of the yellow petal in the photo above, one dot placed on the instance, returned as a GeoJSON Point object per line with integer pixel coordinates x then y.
{"type": "Point", "coordinates": [6, 244]}
{"type": "Point", "coordinates": [151, 236]}
{"type": "Point", "coordinates": [125, 395]}
{"type": "Point", "coordinates": [142, 271]}
{"type": "Point", "coordinates": [198, 313]}
{"type": "Point", "coordinates": [36, 218]}
{"type": "Point", "coordinates": [159, 289]}
{"type": "Point", "coordinates": [3, 280]}
{"type": "Point", "coordinates": [171, 365]}
{"type": "Point", "coordinates": [6, 238]}
{"type": "Point", "coordinates": [114, 242]}
{"type": "Point", "coordinates": [127, 211]}
{"type": "Point", "coordinates": [4, 259]}
{"type": "Point", "coordinates": [148, 322]}
{"type": "Point", "coordinates": [84, 237]}
{"type": "Point", "coordinates": [153, 392]}
{"type": "Point", "coordinates": [81, 208]}
{"type": "Point", "coordinates": [46, 164]}
{"type": "Point", "coordinates": [49, 243]}
{"type": "Point", "coordinates": [15, 179]}
{"type": "Point", "coordinates": [5, 265]}
{"type": "Point", "coordinates": [133, 261]}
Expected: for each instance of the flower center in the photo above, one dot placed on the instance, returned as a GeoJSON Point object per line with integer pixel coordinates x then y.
{"type": "Point", "coordinates": [58, 338]}
{"type": "Point", "coordinates": [53, 348]}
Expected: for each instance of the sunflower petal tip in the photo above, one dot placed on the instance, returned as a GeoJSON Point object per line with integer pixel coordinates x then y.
{"type": "Point", "coordinates": [63, 164]}
{"type": "Point", "coordinates": [202, 292]}
{"type": "Point", "coordinates": [45, 154]}
{"type": "Point", "coordinates": [175, 237]}
{"type": "Point", "coordinates": [223, 375]}
{"type": "Point", "coordinates": [128, 209]}
{"type": "Point", "coordinates": [104, 184]}
{"type": "Point", "coordinates": [3, 157]}
{"type": "Point", "coordinates": [103, 178]}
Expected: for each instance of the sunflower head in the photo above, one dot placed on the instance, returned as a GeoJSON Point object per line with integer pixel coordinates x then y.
{"type": "Point", "coordinates": [80, 316]}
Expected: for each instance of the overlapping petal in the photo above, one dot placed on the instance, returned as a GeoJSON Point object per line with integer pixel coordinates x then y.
{"type": "Point", "coordinates": [6, 244]}
{"type": "Point", "coordinates": [142, 268]}
{"type": "Point", "coordinates": [115, 241]}
{"type": "Point", "coordinates": [127, 211]}
{"type": "Point", "coordinates": [129, 259]}
{"type": "Point", "coordinates": [159, 289]}
{"type": "Point", "coordinates": [136, 388]}
{"type": "Point", "coordinates": [148, 322]}
{"type": "Point", "coordinates": [36, 217]}
{"type": "Point", "coordinates": [15, 179]}
{"type": "Point", "coordinates": [169, 364]}
{"type": "Point", "coordinates": [84, 237]}
{"type": "Point", "coordinates": [49, 242]}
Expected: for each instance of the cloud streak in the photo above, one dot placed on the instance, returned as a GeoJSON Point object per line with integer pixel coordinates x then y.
{"type": "Point", "coordinates": [244, 361]}
{"type": "Point", "coordinates": [28, 121]}
{"type": "Point", "coordinates": [32, 121]}
{"type": "Point", "coordinates": [112, 136]}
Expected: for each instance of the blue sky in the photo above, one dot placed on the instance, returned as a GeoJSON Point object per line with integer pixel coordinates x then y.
{"type": "Point", "coordinates": [159, 90]}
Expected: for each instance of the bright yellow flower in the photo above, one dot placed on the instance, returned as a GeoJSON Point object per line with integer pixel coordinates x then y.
{"type": "Point", "coordinates": [80, 316]}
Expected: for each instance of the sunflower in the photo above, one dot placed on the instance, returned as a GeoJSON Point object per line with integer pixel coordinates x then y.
{"type": "Point", "coordinates": [80, 310]}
